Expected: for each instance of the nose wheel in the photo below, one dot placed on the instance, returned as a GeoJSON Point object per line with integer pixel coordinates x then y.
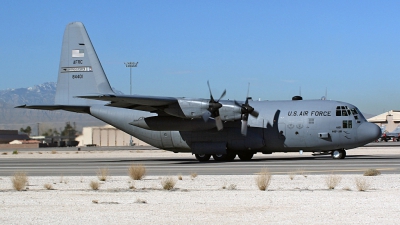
{"type": "Point", "coordinates": [338, 154]}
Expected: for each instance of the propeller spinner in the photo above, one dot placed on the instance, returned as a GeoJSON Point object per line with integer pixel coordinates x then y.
{"type": "Point", "coordinates": [213, 109]}
{"type": "Point", "coordinates": [246, 109]}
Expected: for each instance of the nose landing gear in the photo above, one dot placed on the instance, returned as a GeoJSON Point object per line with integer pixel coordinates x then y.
{"type": "Point", "coordinates": [338, 154]}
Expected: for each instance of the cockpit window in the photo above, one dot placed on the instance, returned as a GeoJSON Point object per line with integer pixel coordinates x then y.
{"type": "Point", "coordinates": [347, 111]}
{"type": "Point", "coordinates": [338, 111]}
{"type": "Point", "coordinates": [360, 115]}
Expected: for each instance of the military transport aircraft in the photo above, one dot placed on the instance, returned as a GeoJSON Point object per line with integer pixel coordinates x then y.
{"type": "Point", "coordinates": [220, 128]}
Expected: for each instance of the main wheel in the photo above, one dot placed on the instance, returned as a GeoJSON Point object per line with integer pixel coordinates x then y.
{"type": "Point", "coordinates": [245, 156]}
{"type": "Point", "coordinates": [219, 157]}
{"type": "Point", "coordinates": [202, 157]}
{"type": "Point", "coordinates": [339, 154]}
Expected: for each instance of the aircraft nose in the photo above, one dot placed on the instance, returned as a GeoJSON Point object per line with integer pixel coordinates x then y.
{"type": "Point", "coordinates": [368, 132]}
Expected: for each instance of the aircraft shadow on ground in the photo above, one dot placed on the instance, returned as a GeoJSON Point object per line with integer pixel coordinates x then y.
{"type": "Point", "coordinates": [188, 161]}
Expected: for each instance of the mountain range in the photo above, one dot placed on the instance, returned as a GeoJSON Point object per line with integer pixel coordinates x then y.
{"type": "Point", "coordinates": [43, 94]}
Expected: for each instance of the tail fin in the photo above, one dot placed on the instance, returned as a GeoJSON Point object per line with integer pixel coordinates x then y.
{"type": "Point", "coordinates": [80, 71]}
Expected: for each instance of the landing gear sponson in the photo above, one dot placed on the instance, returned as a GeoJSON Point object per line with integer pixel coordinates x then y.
{"type": "Point", "coordinates": [224, 157]}
{"type": "Point", "coordinates": [336, 154]}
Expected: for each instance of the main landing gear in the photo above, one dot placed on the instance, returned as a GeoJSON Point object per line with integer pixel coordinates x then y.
{"type": "Point", "coordinates": [224, 157]}
{"type": "Point", "coordinates": [202, 157]}
{"type": "Point", "coordinates": [338, 154]}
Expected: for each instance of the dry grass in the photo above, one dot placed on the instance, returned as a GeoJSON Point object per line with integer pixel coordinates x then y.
{"type": "Point", "coordinates": [346, 189]}
{"type": "Point", "coordinates": [48, 186]}
{"type": "Point", "coordinates": [54, 152]}
{"type": "Point", "coordinates": [180, 177]}
{"type": "Point", "coordinates": [193, 175]}
{"type": "Point", "coordinates": [132, 185]}
{"type": "Point", "coordinates": [103, 174]}
{"type": "Point", "coordinates": [19, 180]}
{"type": "Point", "coordinates": [4, 153]}
{"type": "Point", "coordinates": [292, 175]}
{"type": "Point", "coordinates": [372, 172]}
{"type": "Point", "coordinates": [137, 171]}
{"type": "Point", "coordinates": [94, 185]}
{"type": "Point", "coordinates": [168, 183]}
{"type": "Point", "coordinates": [232, 187]}
{"type": "Point", "coordinates": [332, 181]}
{"type": "Point", "coordinates": [362, 184]}
{"type": "Point", "coordinates": [140, 201]}
{"type": "Point", "coordinates": [63, 180]}
{"type": "Point", "coordinates": [263, 179]}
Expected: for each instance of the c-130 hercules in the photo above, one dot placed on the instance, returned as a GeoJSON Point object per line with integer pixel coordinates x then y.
{"type": "Point", "coordinates": [205, 127]}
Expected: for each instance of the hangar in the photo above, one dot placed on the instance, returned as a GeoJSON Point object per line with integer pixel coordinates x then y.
{"type": "Point", "coordinates": [106, 136]}
{"type": "Point", "coordinates": [389, 120]}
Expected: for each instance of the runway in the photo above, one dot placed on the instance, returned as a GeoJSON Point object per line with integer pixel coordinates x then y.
{"type": "Point", "coordinates": [166, 163]}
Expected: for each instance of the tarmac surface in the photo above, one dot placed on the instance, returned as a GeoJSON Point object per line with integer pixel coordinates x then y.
{"type": "Point", "coordinates": [69, 162]}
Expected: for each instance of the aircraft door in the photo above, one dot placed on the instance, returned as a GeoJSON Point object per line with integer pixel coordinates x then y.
{"type": "Point", "coordinates": [166, 139]}
{"type": "Point", "coordinates": [295, 133]}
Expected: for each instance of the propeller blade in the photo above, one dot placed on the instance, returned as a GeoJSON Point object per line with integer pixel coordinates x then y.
{"type": "Point", "coordinates": [223, 94]}
{"type": "Point", "coordinates": [213, 109]}
{"type": "Point", "coordinates": [237, 103]}
{"type": "Point", "coordinates": [218, 122]}
{"type": "Point", "coordinates": [246, 110]}
{"type": "Point", "coordinates": [243, 130]}
{"type": "Point", "coordinates": [254, 113]}
{"type": "Point", "coordinates": [209, 89]}
{"type": "Point", "coordinates": [206, 116]}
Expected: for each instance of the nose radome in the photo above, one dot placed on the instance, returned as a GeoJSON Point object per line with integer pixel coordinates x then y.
{"type": "Point", "coordinates": [368, 132]}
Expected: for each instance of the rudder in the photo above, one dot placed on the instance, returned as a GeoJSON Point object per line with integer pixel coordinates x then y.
{"type": "Point", "coordinates": [80, 71]}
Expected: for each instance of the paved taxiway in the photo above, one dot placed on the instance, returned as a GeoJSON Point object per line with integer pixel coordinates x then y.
{"type": "Point", "coordinates": [159, 163]}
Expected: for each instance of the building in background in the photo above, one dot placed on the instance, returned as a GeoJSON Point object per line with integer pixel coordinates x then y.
{"type": "Point", "coordinates": [106, 136]}
{"type": "Point", "coordinates": [388, 121]}
{"type": "Point", "coordinates": [7, 136]}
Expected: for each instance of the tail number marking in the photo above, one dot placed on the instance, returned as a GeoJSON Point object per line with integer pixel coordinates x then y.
{"type": "Point", "coordinates": [79, 76]}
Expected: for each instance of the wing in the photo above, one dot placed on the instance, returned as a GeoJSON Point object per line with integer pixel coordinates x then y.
{"type": "Point", "coordinates": [137, 102]}
{"type": "Point", "coordinates": [71, 108]}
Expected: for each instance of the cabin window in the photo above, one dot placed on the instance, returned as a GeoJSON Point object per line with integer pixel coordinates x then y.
{"type": "Point", "coordinates": [347, 124]}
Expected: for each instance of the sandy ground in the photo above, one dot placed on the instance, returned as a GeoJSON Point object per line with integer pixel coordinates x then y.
{"type": "Point", "coordinates": [305, 199]}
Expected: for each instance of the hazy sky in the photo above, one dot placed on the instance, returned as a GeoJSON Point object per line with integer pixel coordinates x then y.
{"type": "Point", "coordinates": [350, 48]}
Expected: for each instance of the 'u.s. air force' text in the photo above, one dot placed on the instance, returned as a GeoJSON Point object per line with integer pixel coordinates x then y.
{"type": "Point", "coordinates": [309, 113]}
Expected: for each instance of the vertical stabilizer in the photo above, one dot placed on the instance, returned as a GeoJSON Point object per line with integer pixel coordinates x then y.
{"type": "Point", "coordinates": [80, 71]}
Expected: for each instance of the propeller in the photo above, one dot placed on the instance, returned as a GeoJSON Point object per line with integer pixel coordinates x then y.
{"type": "Point", "coordinates": [246, 109]}
{"type": "Point", "coordinates": [213, 109]}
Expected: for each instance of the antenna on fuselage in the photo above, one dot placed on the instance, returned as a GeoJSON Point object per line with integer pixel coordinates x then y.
{"type": "Point", "coordinates": [326, 95]}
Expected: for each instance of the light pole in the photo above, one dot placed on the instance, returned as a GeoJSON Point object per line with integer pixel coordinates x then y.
{"type": "Point", "coordinates": [130, 65]}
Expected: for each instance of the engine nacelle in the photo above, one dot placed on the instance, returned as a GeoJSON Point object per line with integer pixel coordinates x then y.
{"type": "Point", "coordinates": [188, 108]}
{"type": "Point", "coordinates": [163, 123]}
{"type": "Point", "coordinates": [196, 108]}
